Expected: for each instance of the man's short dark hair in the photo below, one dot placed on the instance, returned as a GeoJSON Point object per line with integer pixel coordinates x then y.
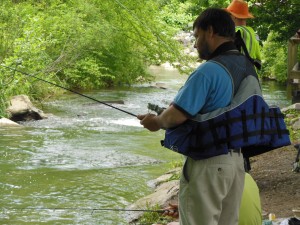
{"type": "Point", "coordinates": [218, 19]}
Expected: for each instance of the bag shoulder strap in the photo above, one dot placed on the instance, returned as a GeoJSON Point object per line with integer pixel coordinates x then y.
{"type": "Point", "coordinates": [239, 42]}
{"type": "Point", "coordinates": [237, 66]}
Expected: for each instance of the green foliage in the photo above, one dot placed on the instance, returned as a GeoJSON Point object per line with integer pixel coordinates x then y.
{"type": "Point", "coordinates": [277, 16]}
{"type": "Point", "coordinates": [181, 13]}
{"type": "Point", "coordinates": [175, 176]}
{"type": "Point", "coordinates": [154, 217]}
{"type": "Point", "coordinates": [99, 43]}
{"type": "Point", "coordinates": [176, 164]}
{"type": "Point", "coordinates": [81, 44]}
{"type": "Point", "coordinates": [275, 59]}
{"type": "Point", "coordinates": [177, 14]}
{"type": "Point", "coordinates": [176, 173]}
{"type": "Point", "coordinates": [292, 115]}
{"type": "Point", "coordinates": [199, 5]}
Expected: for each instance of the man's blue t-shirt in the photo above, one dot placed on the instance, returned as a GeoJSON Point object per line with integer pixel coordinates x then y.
{"type": "Point", "coordinates": [208, 88]}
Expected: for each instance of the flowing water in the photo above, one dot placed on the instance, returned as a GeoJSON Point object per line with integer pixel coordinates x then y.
{"type": "Point", "coordinates": [89, 156]}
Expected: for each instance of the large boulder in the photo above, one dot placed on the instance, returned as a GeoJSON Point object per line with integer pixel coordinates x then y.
{"type": "Point", "coordinates": [21, 109]}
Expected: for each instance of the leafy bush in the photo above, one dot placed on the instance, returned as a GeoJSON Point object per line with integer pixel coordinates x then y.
{"type": "Point", "coordinates": [292, 115]}
{"type": "Point", "coordinates": [274, 64]}
{"type": "Point", "coordinates": [81, 44]}
{"type": "Point", "coordinates": [176, 13]}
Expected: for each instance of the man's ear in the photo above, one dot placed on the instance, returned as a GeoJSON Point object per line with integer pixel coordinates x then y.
{"type": "Point", "coordinates": [210, 31]}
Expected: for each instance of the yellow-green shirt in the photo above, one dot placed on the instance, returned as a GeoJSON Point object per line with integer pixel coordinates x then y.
{"type": "Point", "coordinates": [250, 210]}
{"type": "Point", "coordinates": [250, 40]}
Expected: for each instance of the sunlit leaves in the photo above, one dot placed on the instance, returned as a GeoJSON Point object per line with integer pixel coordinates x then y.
{"type": "Point", "coordinates": [82, 44]}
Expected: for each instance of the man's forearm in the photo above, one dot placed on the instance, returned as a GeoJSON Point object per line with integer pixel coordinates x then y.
{"type": "Point", "coordinates": [169, 118]}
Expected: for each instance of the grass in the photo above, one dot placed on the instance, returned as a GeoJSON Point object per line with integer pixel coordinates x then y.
{"type": "Point", "coordinates": [154, 217]}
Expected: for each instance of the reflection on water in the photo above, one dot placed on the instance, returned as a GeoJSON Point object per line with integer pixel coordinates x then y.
{"type": "Point", "coordinates": [276, 93]}
{"type": "Point", "coordinates": [88, 155]}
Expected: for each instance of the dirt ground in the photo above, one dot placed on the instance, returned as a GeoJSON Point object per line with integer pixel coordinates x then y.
{"type": "Point", "coordinates": [279, 186]}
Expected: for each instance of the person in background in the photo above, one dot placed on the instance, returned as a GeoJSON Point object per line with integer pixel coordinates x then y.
{"type": "Point", "coordinates": [210, 188]}
{"type": "Point", "coordinates": [250, 211]}
{"type": "Point", "coordinates": [240, 13]}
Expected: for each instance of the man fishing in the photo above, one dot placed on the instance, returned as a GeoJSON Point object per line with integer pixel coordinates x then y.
{"type": "Point", "coordinates": [210, 188]}
{"type": "Point", "coordinates": [219, 111]}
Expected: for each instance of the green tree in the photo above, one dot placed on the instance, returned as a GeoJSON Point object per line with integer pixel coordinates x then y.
{"type": "Point", "coordinates": [98, 43]}
{"type": "Point", "coordinates": [81, 44]}
{"type": "Point", "coordinates": [280, 16]}
{"type": "Point", "coordinates": [275, 59]}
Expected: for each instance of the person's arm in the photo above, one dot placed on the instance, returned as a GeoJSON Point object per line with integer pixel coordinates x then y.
{"type": "Point", "coordinates": [170, 117]}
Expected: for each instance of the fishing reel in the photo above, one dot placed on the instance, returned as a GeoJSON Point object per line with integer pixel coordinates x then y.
{"type": "Point", "coordinates": [155, 108]}
{"type": "Point", "coordinates": [296, 164]}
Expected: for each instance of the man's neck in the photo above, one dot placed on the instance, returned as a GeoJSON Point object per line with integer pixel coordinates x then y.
{"type": "Point", "coordinates": [219, 40]}
{"type": "Point", "coordinates": [240, 22]}
{"type": "Point", "coordinates": [224, 47]}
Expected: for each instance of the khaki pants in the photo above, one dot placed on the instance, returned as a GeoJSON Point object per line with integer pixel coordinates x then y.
{"type": "Point", "coordinates": [211, 190]}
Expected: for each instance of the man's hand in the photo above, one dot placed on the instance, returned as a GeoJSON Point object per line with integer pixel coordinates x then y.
{"type": "Point", "coordinates": [169, 118]}
{"type": "Point", "coordinates": [149, 121]}
{"type": "Point", "coordinates": [172, 211]}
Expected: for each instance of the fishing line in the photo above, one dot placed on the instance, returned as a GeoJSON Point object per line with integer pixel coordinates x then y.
{"type": "Point", "coordinates": [75, 92]}
{"type": "Point", "coordinates": [85, 209]}
{"type": "Point", "coordinates": [10, 79]}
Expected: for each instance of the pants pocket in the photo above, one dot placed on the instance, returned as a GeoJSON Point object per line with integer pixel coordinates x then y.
{"type": "Point", "coordinates": [185, 173]}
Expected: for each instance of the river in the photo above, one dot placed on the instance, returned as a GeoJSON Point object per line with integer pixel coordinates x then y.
{"type": "Point", "coordinates": [89, 156]}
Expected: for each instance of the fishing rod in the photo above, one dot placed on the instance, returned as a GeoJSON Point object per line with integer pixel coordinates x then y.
{"type": "Point", "coordinates": [85, 209]}
{"type": "Point", "coordinates": [76, 92]}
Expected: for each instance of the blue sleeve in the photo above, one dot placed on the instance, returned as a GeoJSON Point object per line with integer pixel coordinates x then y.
{"type": "Point", "coordinates": [207, 88]}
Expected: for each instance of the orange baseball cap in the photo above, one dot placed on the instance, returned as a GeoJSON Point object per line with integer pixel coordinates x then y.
{"type": "Point", "coordinates": [239, 9]}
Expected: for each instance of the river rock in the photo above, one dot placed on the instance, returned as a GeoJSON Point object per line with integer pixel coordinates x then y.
{"type": "Point", "coordinates": [159, 85]}
{"type": "Point", "coordinates": [21, 109]}
{"type": "Point", "coordinates": [294, 106]}
{"type": "Point", "coordinates": [166, 192]}
{"type": "Point", "coordinates": [4, 122]}
{"type": "Point", "coordinates": [296, 124]}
